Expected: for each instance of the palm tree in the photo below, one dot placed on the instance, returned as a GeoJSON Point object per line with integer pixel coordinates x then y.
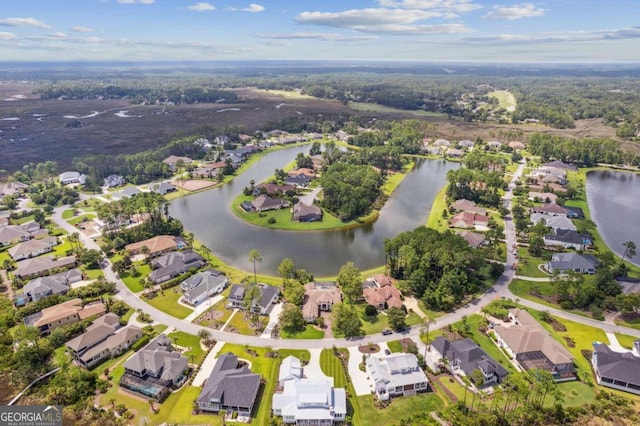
{"type": "Point", "coordinates": [255, 256]}
{"type": "Point", "coordinates": [630, 249]}
{"type": "Point", "coordinates": [425, 327]}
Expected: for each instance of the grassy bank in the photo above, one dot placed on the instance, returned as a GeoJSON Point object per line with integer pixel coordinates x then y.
{"type": "Point", "coordinates": [435, 219]}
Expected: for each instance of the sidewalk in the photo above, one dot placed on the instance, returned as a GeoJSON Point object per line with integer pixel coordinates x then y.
{"type": "Point", "coordinates": [200, 309]}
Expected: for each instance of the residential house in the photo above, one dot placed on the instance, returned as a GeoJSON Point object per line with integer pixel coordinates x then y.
{"type": "Point", "coordinates": [32, 248]}
{"type": "Point", "coordinates": [172, 160]}
{"type": "Point", "coordinates": [553, 222]}
{"type": "Point", "coordinates": [42, 287]}
{"type": "Point", "coordinates": [42, 265]}
{"type": "Point", "coordinates": [494, 144]}
{"type": "Point", "coordinates": [308, 173]}
{"type": "Point", "coordinates": [231, 386]}
{"type": "Point", "coordinates": [568, 238]}
{"type": "Point", "coordinates": [264, 203]}
{"type": "Point", "coordinates": [126, 192]}
{"type": "Point", "coordinates": [155, 370]}
{"type": "Point", "coordinates": [454, 153]}
{"type": "Point", "coordinates": [304, 401]}
{"type": "Point", "coordinates": [62, 314]}
{"type": "Point", "coordinates": [379, 291]}
{"type": "Point", "coordinates": [469, 220]}
{"type": "Point", "coordinates": [4, 221]}
{"type": "Point", "coordinates": [463, 205]}
{"type": "Point", "coordinates": [560, 165]}
{"type": "Point", "coordinates": [290, 369]}
{"type": "Point", "coordinates": [533, 347]}
{"type": "Point", "coordinates": [617, 370]}
{"type": "Point", "coordinates": [396, 375]}
{"type": "Point", "coordinates": [474, 239]}
{"type": "Point", "coordinates": [163, 188]}
{"type": "Point", "coordinates": [12, 188]}
{"type": "Point", "coordinates": [574, 212]}
{"type": "Point", "coordinates": [272, 189]}
{"type": "Point", "coordinates": [262, 305]}
{"type": "Point", "coordinates": [465, 357]}
{"type": "Point", "coordinates": [113, 181]}
{"type": "Point", "coordinates": [157, 245]}
{"type": "Point", "coordinates": [442, 143]}
{"type": "Point", "coordinates": [202, 285]}
{"type": "Point", "coordinates": [299, 181]}
{"type": "Point", "coordinates": [305, 213]}
{"type": "Point", "coordinates": [12, 234]}
{"type": "Point", "coordinates": [565, 262]}
{"type": "Point", "coordinates": [319, 296]}
{"type": "Point", "coordinates": [102, 340]}
{"type": "Point", "coordinates": [466, 144]}
{"type": "Point", "coordinates": [547, 197]}
{"type": "Point", "coordinates": [68, 178]}
{"type": "Point", "coordinates": [551, 209]}
{"type": "Point", "coordinates": [173, 264]}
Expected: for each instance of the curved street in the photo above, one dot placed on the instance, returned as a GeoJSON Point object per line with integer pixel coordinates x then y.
{"type": "Point", "coordinates": [498, 291]}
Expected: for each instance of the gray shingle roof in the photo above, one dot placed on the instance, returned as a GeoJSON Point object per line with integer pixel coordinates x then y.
{"type": "Point", "coordinates": [624, 366]}
{"type": "Point", "coordinates": [469, 355]}
{"type": "Point", "coordinates": [232, 386]}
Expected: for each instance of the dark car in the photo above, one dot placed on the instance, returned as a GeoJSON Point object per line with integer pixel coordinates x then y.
{"type": "Point", "coordinates": [386, 332]}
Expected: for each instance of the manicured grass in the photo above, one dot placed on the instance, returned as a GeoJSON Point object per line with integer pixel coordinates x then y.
{"type": "Point", "coordinates": [181, 412]}
{"type": "Point", "coordinates": [168, 303]}
{"type": "Point", "coordinates": [485, 342]}
{"type": "Point", "coordinates": [22, 220]}
{"type": "Point", "coordinates": [396, 346]}
{"type": "Point", "coordinates": [363, 106]}
{"type": "Point", "coordinates": [522, 288]}
{"type": "Point", "coordinates": [627, 322]}
{"type": "Point", "coordinates": [435, 219]}
{"type": "Point", "coordinates": [133, 282]}
{"type": "Point", "coordinates": [93, 274]}
{"type": "Point", "coordinates": [505, 99]}
{"type": "Point", "coordinates": [625, 340]}
{"type": "Point", "coordinates": [268, 368]}
{"type": "Point", "coordinates": [310, 332]}
{"type": "Point", "coordinates": [195, 354]}
{"type": "Point", "coordinates": [528, 265]}
{"type": "Point", "coordinates": [400, 407]}
{"type": "Point", "coordinates": [81, 218]}
{"type": "Point", "coordinates": [331, 366]}
{"type": "Point", "coordinates": [241, 325]}
{"type": "Point", "coordinates": [576, 394]}
{"type": "Point", "coordinates": [454, 387]}
{"type": "Point", "coordinates": [61, 249]}
{"type": "Point", "coordinates": [67, 214]}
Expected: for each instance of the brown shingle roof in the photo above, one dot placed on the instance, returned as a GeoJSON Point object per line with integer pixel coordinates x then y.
{"type": "Point", "coordinates": [158, 244]}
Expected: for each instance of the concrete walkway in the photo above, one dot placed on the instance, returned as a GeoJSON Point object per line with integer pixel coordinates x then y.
{"type": "Point", "coordinates": [274, 317]}
{"type": "Point", "coordinates": [411, 303]}
{"type": "Point", "coordinates": [201, 308]}
{"type": "Point", "coordinates": [207, 365]}
{"type": "Point", "coordinates": [360, 379]}
{"type": "Point", "coordinates": [235, 311]}
{"type": "Point", "coordinates": [312, 370]}
{"type": "Point", "coordinates": [614, 344]}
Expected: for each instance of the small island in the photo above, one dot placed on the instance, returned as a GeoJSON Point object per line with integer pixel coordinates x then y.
{"type": "Point", "coordinates": [328, 189]}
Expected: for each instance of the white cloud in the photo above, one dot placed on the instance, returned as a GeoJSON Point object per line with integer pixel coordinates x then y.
{"type": "Point", "coordinates": [57, 35]}
{"type": "Point", "coordinates": [392, 21]}
{"type": "Point", "coordinates": [517, 11]}
{"type": "Point", "coordinates": [253, 8]}
{"type": "Point", "coordinates": [201, 7]}
{"type": "Point", "coordinates": [91, 40]}
{"type": "Point", "coordinates": [136, 1]}
{"type": "Point", "coordinates": [4, 36]}
{"type": "Point", "coordinates": [82, 29]}
{"type": "Point", "coordinates": [23, 22]}
{"type": "Point", "coordinates": [461, 6]}
{"type": "Point", "coordinates": [316, 36]}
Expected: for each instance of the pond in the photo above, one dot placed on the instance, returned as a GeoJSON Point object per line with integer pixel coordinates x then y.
{"type": "Point", "coordinates": [208, 216]}
{"type": "Point", "coordinates": [614, 198]}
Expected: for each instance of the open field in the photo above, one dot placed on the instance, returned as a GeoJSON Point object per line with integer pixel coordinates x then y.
{"type": "Point", "coordinates": [505, 98]}
{"type": "Point", "coordinates": [39, 138]}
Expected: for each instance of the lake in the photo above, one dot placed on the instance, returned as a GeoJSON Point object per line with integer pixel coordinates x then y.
{"type": "Point", "coordinates": [614, 199]}
{"type": "Point", "coordinates": [208, 216]}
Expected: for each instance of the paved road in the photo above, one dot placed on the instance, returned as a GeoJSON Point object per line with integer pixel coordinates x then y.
{"type": "Point", "coordinates": [498, 291]}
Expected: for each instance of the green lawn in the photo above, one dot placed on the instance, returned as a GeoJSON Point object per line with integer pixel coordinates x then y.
{"type": "Point", "coordinates": [505, 99]}
{"type": "Point", "coordinates": [93, 274]}
{"type": "Point", "coordinates": [61, 249]}
{"type": "Point", "coordinates": [373, 325]}
{"type": "Point", "coordinates": [221, 306]}
{"type": "Point", "coordinates": [631, 322]}
{"type": "Point", "coordinates": [268, 368]}
{"type": "Point", "coordinates": [625, 340]}
{"type": "Point", "coordinates": [310, 332]}
{"type": "Point", "coordinates": [485, 342]}
{"type": "Point", "coordinates": [528, 265]}
{"type": "Point", "coordinates": [186, 340]}
{"type": "Point", "coordinates": [435, 219]}
{"type": "Point", "coordinates": [67, 214]}
{"type": "Point", "coordinates": [241, 325]}
{"type": "Point", "coordinates": [81, 218]}
{"type": "Point", "coordinates": [22, 220]}
{"type": "Point", "coordinates": [133, 282]}
{"type": "Point", "coordinates": [168, 303]}
{"type": "Point", "coordinates": [395, 346]}
{"type": "Point", "coordinates": [399, 408]}
{"type": "Point", "coordinates": [522, 288]}
{"type": "Point", "coordinates": [181, 412]}
{"type": "Point", "coordinates": [453, 386]}
{"type": "Point", "coordinates": [331, 366]}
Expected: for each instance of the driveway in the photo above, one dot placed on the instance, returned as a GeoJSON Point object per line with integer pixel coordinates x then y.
{"type": "Point", "coordinates": [273, 321]}
{"type": "Point", "coordinates": [312, 370]}
{"type": "Point", "coordinates": [207, 365]}
{"type": "Point", "coordinates": [200, 309]}
{"type": "Point", "coordinates": [360, 379]}
{"type": "Point", "coordinates": [310, 196]}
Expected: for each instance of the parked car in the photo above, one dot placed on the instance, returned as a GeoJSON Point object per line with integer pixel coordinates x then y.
{"type": "Point", "coordinates": [386, 332]}
{"type": "Point", "coordinates": [387, 352]}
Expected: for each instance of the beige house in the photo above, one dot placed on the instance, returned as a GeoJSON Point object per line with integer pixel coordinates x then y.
{"type": "Point", "coordinates": [320, 296]}
{"type": "Point", "coordinates": [157, 245]}
{"type": "Point", "coordinates": [62, 314]}
{"type": "Point", "coordinates": [43, 265]}
{"type": "Point", "coordinates": [32, 248]}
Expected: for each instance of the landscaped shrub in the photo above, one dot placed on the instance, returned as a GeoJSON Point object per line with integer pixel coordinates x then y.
{"type": "Point", "coordinates": [140, 343]}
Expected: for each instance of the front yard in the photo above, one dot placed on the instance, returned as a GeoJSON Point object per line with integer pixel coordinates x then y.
{"type": "Point", "coordinates": [194, 352]}
{"type": "Point", "coordinates": [310, 332]}
{"type": "Point", "coordinates": [167, 302]}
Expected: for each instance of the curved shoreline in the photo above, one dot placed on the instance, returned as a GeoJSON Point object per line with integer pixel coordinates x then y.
{"type": "Point", "coordinates": [319, 226]}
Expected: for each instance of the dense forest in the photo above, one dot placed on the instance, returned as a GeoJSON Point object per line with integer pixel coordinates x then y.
{"type": "Point", "coordinates": [440, 268]}
{"type": "Point", "coordinates": [349, 190]}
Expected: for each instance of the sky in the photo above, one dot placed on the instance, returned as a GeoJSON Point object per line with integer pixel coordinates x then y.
{"type": "Point", "coordinates": [387, 30]}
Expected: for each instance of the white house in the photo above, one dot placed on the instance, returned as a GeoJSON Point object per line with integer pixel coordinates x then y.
{"type": "Point", "coordinates": [396, 375]}
{"type": "Point", "coordinates": [67, 178]}
{"type": "Point", "coordinates": [202, 285]}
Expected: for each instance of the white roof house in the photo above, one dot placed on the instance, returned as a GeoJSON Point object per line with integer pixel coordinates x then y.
{"type": "Point", "coordinates": [310, 401]}
{"type": "Point", "coordinates": [396, 375]}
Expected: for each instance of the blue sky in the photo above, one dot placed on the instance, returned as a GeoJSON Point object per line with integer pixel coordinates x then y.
{"type": "Point", "coordinates": [414, 30]}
